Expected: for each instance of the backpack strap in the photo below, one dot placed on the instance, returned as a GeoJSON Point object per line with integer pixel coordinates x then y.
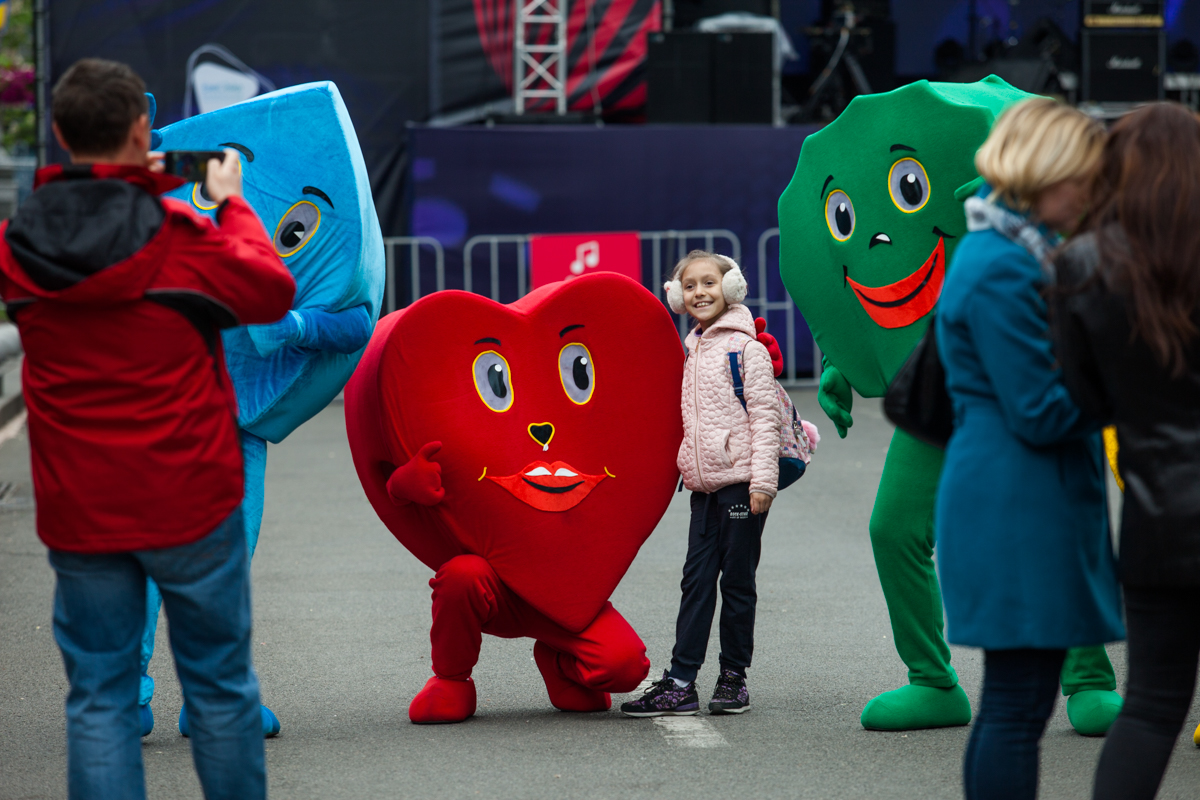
{"type": "Point", "coordinates": [735, 372]}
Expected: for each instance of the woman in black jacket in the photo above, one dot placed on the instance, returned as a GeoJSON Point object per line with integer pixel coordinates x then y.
{"type": "Point", "coordinates": [1126, 321]}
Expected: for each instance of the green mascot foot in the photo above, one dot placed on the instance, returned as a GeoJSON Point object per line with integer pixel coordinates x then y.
{"type": "Point", "coordinates": [1093, 711]}
{"type": "Point", "coordinates": [912, 707]}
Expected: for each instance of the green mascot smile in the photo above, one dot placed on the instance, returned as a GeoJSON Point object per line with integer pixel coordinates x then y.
{"type": "Point", "coordinates": [866, 266]}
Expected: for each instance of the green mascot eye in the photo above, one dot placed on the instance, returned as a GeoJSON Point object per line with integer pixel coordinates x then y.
{"type": "Point", "coordinates": [839, 214]}
{"type": "Point", "coordinates": [908, 185]}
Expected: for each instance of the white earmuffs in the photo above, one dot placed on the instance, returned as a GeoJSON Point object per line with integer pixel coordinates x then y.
{"type": "Point", "coordinates": [733, 286]}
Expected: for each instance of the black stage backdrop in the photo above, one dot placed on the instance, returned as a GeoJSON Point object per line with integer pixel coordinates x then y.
{"type": "Point", "coordinates": [376, 52]}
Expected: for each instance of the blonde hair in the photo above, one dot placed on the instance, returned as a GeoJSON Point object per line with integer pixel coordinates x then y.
{"type": "Point", "coordinates": [724, 263]}
{"type": "Point", "coordinates": [1036, 144]}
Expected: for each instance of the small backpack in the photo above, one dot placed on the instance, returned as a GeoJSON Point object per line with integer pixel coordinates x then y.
{"type": "Point", "coordinates": [795, 447]}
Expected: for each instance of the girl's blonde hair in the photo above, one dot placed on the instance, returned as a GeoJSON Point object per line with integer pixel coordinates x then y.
{"type": "Point", "coordinates": [724, 263]}
{"type": "Point", "coordinates": [1036, 144]}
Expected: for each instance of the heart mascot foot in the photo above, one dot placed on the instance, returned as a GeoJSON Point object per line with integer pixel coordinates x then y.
{"type": "Point", "coordinates": [1093, 711]}
{"type": "Point", "coordinates": [565, 694]}
{"type": "Point", "coordinates": [913, 707]}
{"type": "Point", "coordinates": [443, 700]}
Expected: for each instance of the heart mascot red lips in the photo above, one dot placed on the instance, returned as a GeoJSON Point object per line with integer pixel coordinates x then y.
{"type": "Point", "coordinates": [550, 487]}
{"type": "Point", "coordinates": [594, 365]}
{"type": "Point", "coordinates": [908, 299]}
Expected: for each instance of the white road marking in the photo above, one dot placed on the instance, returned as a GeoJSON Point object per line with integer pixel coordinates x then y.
{"type": "Point", "coordinates": [689, 732]}
{"type": "Point", "coordinates": [12, 428]}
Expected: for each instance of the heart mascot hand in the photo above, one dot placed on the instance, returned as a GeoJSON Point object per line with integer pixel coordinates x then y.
{"type": "Point", "coordinates": [771, 343]}
{"type": "Point", "coordinates": [555, 423]}
{"type": "Point", "coordinates": [418, 481]}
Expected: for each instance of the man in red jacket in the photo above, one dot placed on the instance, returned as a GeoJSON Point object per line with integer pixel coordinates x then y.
{"type": "Point", "coordinates": [119, 295]}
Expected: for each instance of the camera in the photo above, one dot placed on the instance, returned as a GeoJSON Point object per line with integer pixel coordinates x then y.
{"type": "Point", "coordinates": [191, 165]}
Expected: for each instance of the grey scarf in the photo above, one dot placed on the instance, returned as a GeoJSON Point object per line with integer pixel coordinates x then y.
{"type": "Point", "coordinates": [985, 215]}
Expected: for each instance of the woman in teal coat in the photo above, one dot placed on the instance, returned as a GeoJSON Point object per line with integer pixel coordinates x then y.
{"type": "Point", "coordinates": [1024, 554]}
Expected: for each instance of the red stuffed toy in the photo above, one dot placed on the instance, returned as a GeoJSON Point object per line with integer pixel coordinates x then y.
{"type": "Point", "coordinates": [524, 453]}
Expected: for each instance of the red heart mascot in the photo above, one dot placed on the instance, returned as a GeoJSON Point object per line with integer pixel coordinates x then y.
{"type": "Point", "coordinates": [524, 453]}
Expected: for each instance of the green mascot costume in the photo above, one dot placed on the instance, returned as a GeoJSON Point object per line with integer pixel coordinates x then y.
{"type": "Point", "coordinates": [868, 224]}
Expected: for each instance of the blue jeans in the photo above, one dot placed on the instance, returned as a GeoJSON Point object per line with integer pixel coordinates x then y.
{"type": "Point", "coordinates": [254, 457]}
{"type": "Point", "coordinates": [1019, 690]}
{"type": "Point", "coordinates": [99, 614]}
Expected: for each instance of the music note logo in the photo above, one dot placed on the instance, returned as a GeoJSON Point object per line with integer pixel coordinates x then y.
{"type": "Point", "coordinates": [586, 255]}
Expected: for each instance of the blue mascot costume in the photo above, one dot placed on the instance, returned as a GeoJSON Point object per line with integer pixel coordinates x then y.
{"type": "Point", "coordinates": [303, 172]}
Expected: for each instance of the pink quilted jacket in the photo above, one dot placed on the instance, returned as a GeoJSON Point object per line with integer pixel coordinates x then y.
{"type": "Point", "coordinates": [721, 444]}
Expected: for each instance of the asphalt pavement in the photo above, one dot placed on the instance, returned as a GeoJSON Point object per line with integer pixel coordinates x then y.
{"type": "Point", "coordinates": [342, 619]}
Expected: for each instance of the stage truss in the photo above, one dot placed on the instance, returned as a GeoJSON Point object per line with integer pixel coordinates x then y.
{"type": "Point", "coordinates": [540, 55]}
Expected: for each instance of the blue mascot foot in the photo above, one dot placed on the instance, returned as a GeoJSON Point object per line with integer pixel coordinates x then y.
{"type": "Point", "coordinates": [147, 717]}
{"type": "Point", "coordinates": [270, 722]}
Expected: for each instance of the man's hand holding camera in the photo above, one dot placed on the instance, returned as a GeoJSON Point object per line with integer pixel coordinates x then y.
{"type": "Point", "coordinates": [224, 177]}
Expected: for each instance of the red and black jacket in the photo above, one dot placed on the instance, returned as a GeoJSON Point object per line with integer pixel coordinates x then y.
{"type": "Point", "coordinates": [119, 295]}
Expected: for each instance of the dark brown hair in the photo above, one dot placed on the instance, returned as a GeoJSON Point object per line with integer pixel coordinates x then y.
{"type": "Point", "coordinates": [1148, 189]}
{"type": "Point", "coordinates": [95, 102]}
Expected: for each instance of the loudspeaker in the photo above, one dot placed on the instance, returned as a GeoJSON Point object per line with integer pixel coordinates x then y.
{"type": "Point", "coordinates": [710, 78]}
{"type": "Point", "coordinates": [1123, 66]}
{"type": "Point", "coordinates": [1122, 13]}
{"type": "Point", "coordinates": [679, 78]}
{"type": "Point", "coordinates": [743, 75]}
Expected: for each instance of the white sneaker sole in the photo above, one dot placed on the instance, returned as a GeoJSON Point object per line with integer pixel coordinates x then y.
{"type": "Point", "coordinates": [644, 714]}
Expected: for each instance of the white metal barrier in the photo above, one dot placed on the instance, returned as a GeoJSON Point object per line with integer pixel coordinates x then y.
{"type": "Point", "coordinates": [683, 241]}
{"type": "Point", "coordinates": [764, 305]}
{"type": "Point", "coordinates": [414, 245]}
{"type": "Point", "coordinates": [665, 249]}
{"type": "Point", "coordinates": [493, 243]}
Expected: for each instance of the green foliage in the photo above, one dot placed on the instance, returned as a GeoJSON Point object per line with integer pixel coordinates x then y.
{"type": "Point", "coordinates": [18, 129]}
{"type": "Point", "coordinates": [16, 40]}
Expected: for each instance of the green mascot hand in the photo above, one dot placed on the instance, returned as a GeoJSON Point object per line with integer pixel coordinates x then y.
{"type": "Point", "coordinates": [836, 399]}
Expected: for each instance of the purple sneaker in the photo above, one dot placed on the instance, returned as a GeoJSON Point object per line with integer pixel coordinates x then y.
{"type": "Point", "coordinates": [664, 698]}
{"type": "Point", "coordinates": [731, 695]}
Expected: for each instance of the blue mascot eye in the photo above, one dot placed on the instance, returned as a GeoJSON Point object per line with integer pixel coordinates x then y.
{"type": "Point", "coordinates": [296, 228]}
{"type": "Point", "coordinates": [292, 235]}
{"type": "Point", "coordinates": [493, 380]}
{"type": "Point", "coordinates": [200, 197]}
{"type": "Point", "coordinates": [577, 372]}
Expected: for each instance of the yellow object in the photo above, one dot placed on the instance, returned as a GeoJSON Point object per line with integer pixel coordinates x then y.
{"type": "Point", "coordinates": [3, 14]}
{"type": "Point", "coordinates": [1196, 737]}
{"type": "Point", "coordinates": [1110, 449]}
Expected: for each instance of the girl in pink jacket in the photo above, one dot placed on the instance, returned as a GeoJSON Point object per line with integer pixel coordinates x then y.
{"type": "Point", "coordinates": [729, 458]}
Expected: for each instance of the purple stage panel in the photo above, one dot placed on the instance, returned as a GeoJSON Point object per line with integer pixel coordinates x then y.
{"type": "Point", "coordinates": [475, 181]}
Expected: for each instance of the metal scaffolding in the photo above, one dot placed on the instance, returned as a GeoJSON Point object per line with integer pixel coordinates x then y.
{"type": "Point", "coordinates": [540, 54]}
